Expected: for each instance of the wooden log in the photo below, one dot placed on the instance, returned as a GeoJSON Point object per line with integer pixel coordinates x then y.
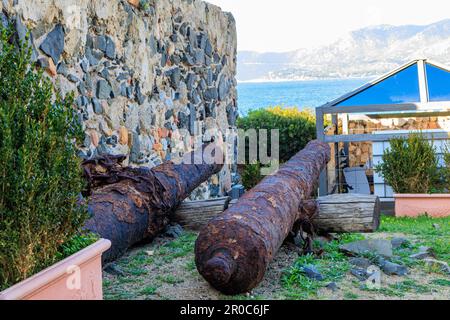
{"type": "Point", "coordinates": [341, 213]}
{"type": "Point", "coordinates": [195, 215]}
{"type": "Point", "coordinates": [338, 213]}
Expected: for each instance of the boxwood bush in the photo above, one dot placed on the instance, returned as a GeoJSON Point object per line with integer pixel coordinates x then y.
{"type": "Point", "coordinates": [40, 174]}
{"type": "Point", "coordinates": [410, 165]}
{"type": "Point", "coordinates": [296, 128]}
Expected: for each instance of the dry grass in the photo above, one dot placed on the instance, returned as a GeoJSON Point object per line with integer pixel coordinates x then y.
{"type": "Point", "coordinates": [165, 269]}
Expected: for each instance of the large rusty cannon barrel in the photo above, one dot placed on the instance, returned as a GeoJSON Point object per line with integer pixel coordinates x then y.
{"type": "Point", "coordinates": [129, 205]}
{"type": "Point", "coordinates": [233, 251]}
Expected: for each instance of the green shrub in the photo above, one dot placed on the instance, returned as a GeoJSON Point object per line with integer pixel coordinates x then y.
{"type": "Point", "coordinates": [296, 127]}
{"type": "Point", "coordinates": [75, 244]}
{"type": "Point", "coordinates": [446, 169]}
{"type": "Point", "coordinates": [251, 175]}
{"type": "Point", "coordinates": [410, 165]}
{"type": "Point", "coordinates": [40, 176]}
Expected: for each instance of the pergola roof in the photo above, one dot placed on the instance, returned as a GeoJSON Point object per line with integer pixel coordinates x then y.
{"type": "Point", "coordinates": [418, 86]}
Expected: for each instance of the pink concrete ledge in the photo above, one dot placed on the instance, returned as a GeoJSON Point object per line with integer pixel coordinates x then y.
{"type": "Point", "coordinates": [78, 277]}
{"type": "Point", "coordinates": [414, 205]}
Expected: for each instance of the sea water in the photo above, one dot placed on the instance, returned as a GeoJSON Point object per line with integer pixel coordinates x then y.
{"type": "Point", "coordinates": [301, 94]}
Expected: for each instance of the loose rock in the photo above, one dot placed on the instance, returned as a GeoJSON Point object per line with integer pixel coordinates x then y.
{"type": "Point", "coordinates": [114, 270]}
{"type": "Point", "coordinates": [436, 265]}
{"type": "Point", "coordinates": [391, 268]}
{"type": "Point", "coordinates": [174, 231]}
{"type": "Point", "coordinates": [360, 262]}
{"type": "Point", "coordinates": [377, 246]}
{"type": "Point", "coordinates": [399, 242]}
{"type": "Point", "coordinates": [311, 272]}
{"type": "Point", "coordinates": [332, 286]}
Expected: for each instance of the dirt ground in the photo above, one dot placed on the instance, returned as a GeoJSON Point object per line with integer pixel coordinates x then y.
{"type": "Point", "coordinates": [165, 269]}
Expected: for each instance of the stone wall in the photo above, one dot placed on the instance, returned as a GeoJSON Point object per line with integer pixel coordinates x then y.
{"type": "Point", "coordinates": [147, 75]}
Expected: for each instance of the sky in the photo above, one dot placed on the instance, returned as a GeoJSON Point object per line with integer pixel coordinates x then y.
{"type": "Point", "coordinates": [284, 25]}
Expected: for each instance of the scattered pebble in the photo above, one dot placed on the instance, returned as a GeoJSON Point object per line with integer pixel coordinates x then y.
{"type": "Point", "coordinates": [114, 270]}
{"type": "Point", "coordinates": [424, 253]}
{"type": "Point", "coordinates": [174, 231]}
{"type": "Point", "coordinates": [376, 246]}
{"type": "Point", "coordinates": [360, 262]}
{"type": "Point", "coordinates": [359, 273]}
{"type": "Point", "coordinates": [311, 272]}
{"type": "Point", "coordinates": [399, 242]}
{"type": "Point", "coordinates": [332, 286]}
{"type": "Point", "coordinates": [439, 265]}
{"type": "Point", "coordinates": [391, 268]}
{"type": "Point", "coordinates": [420, 256]}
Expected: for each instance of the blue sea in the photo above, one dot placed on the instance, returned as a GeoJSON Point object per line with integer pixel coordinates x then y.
{"type": "Point", "coordinates": [301, 94]}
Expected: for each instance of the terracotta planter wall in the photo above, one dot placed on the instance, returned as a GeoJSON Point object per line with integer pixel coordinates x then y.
{"type": "Point", "coordinates": [78, 277]}
{"type": "Point", "coordinates": [413, 205]}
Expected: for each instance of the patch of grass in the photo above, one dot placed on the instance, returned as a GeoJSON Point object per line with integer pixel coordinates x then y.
{"type": "Point", "coordinates": [178, 248]}
{"type": "Point", "coordinates": [440, 246]}
{"type": "Point", "coordinates": [136, 271]}
{"type": "Point", "coordinates": [441, 282]}
{"type": "Point", "coordinates": [120, 295]}
{"type": "Point", "coordinates": [350, 296]}
{"type": "Point", "coordinates": [420, 226]}
{"type": "Point", "coordinates": [384, 291]}
{"type": "Point", "coordinates": [348, 237]}
{"type": "Point", "coordinates": [371, 256]}
{"type": "Point", "coordinates": [106, 282]}
{"type": "Point", "coordinates": [149, 290]}
{"type": "Point", "coordinates": [125, 280]}
{"type": "Point", "coordinates": [427, 234]}
{"type": "Point", "coordinates": [138, 261]}
{"type": "Point", "coordinates": [170, 279]}
{"type": "Point", "coordinates": [409, 286]}
{"type": "Point", "coordinates": [399, 289]}
{"type": "Point", "coordinates": [333, 266]}
{"type": "Point", "coordinates": [190, 265]}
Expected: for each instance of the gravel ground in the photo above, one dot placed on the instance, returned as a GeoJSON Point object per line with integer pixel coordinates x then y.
{"type": "Point", "coordinates": [165, 269]}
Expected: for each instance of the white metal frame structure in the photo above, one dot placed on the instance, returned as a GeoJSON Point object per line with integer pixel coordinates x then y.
{"type": "Point", "coordinates": [423, 108]}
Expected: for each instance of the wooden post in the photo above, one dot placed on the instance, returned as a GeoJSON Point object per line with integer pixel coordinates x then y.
{"type": "Point", "coordinates": [323, 178]}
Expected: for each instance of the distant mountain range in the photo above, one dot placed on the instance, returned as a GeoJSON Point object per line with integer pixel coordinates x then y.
{"type": "Point", "coordinates": [362, 53]}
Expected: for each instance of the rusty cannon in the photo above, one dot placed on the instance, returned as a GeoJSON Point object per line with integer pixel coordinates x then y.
{"type": "Point", "coordinates": [233, 251]}
{"type": "Point", "coordinates": [128, 205]}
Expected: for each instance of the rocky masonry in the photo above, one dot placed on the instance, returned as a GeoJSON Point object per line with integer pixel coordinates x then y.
{"type": "Point", "coordinates": [152, 79]}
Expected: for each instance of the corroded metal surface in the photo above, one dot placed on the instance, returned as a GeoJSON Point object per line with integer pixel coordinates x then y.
{"type": "Point", "coordinates": [233, 251]}
{"type": "Point", "coordinates": [129, 205]}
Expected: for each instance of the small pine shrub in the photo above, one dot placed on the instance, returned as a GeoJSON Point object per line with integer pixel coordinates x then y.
{"type": "Point", "coordinates": [410, 165]}
{"type": "Point", "coordinates": [40, 174]}
{"type": "Point", "coordinates": [446, 169]}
